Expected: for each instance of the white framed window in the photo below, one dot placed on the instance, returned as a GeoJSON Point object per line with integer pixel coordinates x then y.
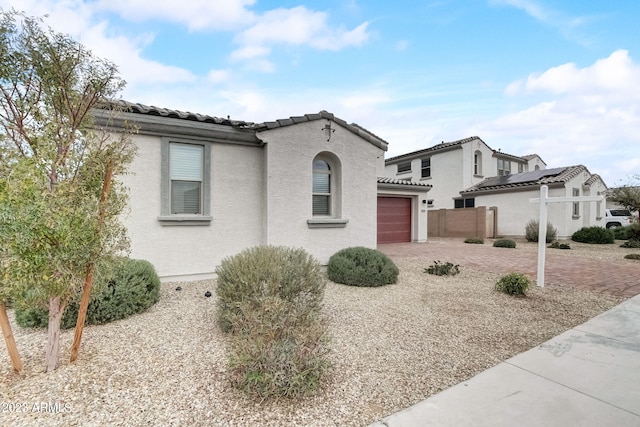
{"type": "Point", "coordinates": [504, 167]}
{"type": "Point", "coordinates": [321, 188]}
{"type": "Point", "coordinates": [326, 192]}
{"type": "Point", "coordinates": [186, 183]}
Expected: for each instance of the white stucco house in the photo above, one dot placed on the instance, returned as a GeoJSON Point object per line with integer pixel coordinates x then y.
{"type": "Point", "coordinates": [453, 166]}
{"type": "Point", "coordinates": [204, 188]}
{"type": "Point", "coordinates": [511, 195]}
{"type": "Point", "coordinates": [480, 191]}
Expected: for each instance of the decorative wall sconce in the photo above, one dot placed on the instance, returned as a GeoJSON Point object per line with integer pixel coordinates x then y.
{"type": "Point", "coordinates": [328, 130]}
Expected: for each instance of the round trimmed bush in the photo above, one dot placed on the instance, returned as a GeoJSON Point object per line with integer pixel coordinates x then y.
{"type": "Point", "coordinates": [594, 235]}
{"type": "Point", "coordinates": [263, 271]}
{"type": "Point", "coordinates": [513, 284]}
{"type": "Point", "coordinates": [504, 243]}
{"type": "Point", "coordinates": [360, 266]}
{"type": "Point", "coordinates": [121, 288]}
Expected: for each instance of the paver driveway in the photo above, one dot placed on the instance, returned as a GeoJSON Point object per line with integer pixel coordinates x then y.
{"type": "Point", "coordinates": [615, 277]}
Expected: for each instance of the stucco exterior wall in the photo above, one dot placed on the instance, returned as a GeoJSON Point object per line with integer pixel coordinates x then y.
{"type": "Point", "coordinates": [446, 176]}
{"type": "Point", "coordinates": [515, 210]}
{"type": "Point", "coordinates": [193, 251]}
{"type": "Point", "coordinates": [289, 154]}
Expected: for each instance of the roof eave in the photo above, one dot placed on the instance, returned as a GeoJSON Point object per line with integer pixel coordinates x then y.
{"type": "Point", "coordinates": [148, 124]}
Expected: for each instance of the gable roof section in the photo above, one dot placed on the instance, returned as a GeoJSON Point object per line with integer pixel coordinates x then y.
{"type": "Point", "coordinates": [530, 157]}
{"type": "Point", "coordinates": [529, 180]}
{"type": "Point", "coordinates": [152, 111]}
{"type": "Point", "coordinates": [353, 127]}
{"type": "Point", "coordinates": [443, 146]}
{"type": "Point", "coordinates": [446, 146]}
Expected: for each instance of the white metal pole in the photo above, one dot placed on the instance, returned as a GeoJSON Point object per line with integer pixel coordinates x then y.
{"type": "Point", "coordinates": [542, 234]}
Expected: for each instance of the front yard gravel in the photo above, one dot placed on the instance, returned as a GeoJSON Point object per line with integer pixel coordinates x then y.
{"type": "Point", "coordinates": [392, 347]}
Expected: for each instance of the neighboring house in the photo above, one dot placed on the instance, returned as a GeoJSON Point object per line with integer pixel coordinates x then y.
{"type": "Point", "coordinates": [450, 167]}
{"type": "Point", "coordinates": [511, 194]}
{"type": "Point", "coordinates": [204, 188]}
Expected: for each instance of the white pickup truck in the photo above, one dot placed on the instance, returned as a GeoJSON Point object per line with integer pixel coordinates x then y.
{"type": "Point", "coordinates": [617, 217]}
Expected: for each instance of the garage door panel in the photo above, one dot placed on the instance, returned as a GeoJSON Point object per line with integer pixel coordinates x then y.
{"type": "Point", "coordinates": [394, 219]}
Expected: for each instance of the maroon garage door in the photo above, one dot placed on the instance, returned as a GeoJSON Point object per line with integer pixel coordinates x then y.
{"type": "Point", "coordinates": [394, 219]}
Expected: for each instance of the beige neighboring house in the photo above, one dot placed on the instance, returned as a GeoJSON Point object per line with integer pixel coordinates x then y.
{"type": "Point", "coordinates": [450, 167]}
{"type": "Point", "coordinates": [204, 188]}
{"type": "Point", "coordinates": [511, 194]}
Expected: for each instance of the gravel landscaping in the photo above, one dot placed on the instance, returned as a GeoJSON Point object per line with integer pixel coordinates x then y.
{"type": "Point", "coordinates": [392, 347]}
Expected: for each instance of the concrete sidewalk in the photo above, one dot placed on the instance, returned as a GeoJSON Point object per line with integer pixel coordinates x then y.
{"type": "Point", "coordinates": [587, 376]}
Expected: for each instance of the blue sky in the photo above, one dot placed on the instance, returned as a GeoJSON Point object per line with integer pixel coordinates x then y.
{"type": "Point", "coordinates": [556, 78]}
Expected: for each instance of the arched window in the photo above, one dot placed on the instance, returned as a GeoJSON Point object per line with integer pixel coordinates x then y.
{"type": "Point", "coordinates": [477, 163]}
{"type": "Point", "coordinates": [321, 187]}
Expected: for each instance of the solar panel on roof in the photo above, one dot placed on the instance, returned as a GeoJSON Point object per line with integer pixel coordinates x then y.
{"type": "Point", "coordinates": [520, 178]}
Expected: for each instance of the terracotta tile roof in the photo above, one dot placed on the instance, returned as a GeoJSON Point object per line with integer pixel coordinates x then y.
{"type": "Point", "coordinates": [408, 183]}
{"type": "Point", "coordinates": [527, 180]}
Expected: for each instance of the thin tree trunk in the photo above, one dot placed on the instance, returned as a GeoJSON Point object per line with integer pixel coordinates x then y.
{"type": "Point", "coordinates": [8, 339]}
{"type": "Point", "coordinates": [88, 282]}
{"type": "Point", "coordinates": [56, 310]}
{"type": "Point", "coordinates": [82, 313]}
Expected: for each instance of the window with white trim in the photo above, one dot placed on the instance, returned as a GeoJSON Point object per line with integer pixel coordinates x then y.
{"type": "Point", "coordinates": [185, 181]}
{"type": "Point", "coordinates": [504, 167]}
{"type": "Point", "coordinates": [321, 188]}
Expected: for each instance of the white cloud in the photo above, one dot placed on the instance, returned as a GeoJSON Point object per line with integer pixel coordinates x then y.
{"type": "Point", "coordinates": [218, 76]}
{"type": "Point", "coordinates": [568, 26]}
{"type": "Point", "coordinates": [532, 8]}
{"type": "Point", "coordinates": [615, 73]}
{"type": "Point", "coordinates": [591, 115]}
{"type": "Point", "coordinates": [296, 27]}
{"type": "Point", "coordinates": [194, 14]}
{"type": "Point", "coordinates": [78, 20]}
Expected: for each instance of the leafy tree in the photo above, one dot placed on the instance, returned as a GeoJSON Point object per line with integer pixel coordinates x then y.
{"type": "Point", "coordinates": [627, 196]}
{"type": "Point", "coordinates": [59, 208]}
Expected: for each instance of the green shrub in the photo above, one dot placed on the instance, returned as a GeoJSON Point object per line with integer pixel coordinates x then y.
{"type": "Point", "coordinates": [121, 289]}
{"type": "Point", "coordinates": [627, 232]}
{"type": "Point", "coordinates": [270, 301]}
{"type": "Point", "coordinates": [513, 284]}
{"type": "Point", "coordinates": [359, 266]}
{"type": "Point", "coordinates": [504, 243]}
{"type": "Point", "coordinates": [474, 240]}
{"type": "Point", "coordinates": [263, 271]}
{"type": "Point", "coordinates": [593, 235]}
{"type": "Point", "coordinates": [531, 231]}
{"type": "Point", "coordinates": [276, 352]}
{"type": "Point", "coordinates": [439, 269]}
{"type": "Point", "coordinates": [558, 245]}
{"type": "Point", "coordinates": [632, 256]}
{"type": "Point", "coordinates": [631, 243]}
